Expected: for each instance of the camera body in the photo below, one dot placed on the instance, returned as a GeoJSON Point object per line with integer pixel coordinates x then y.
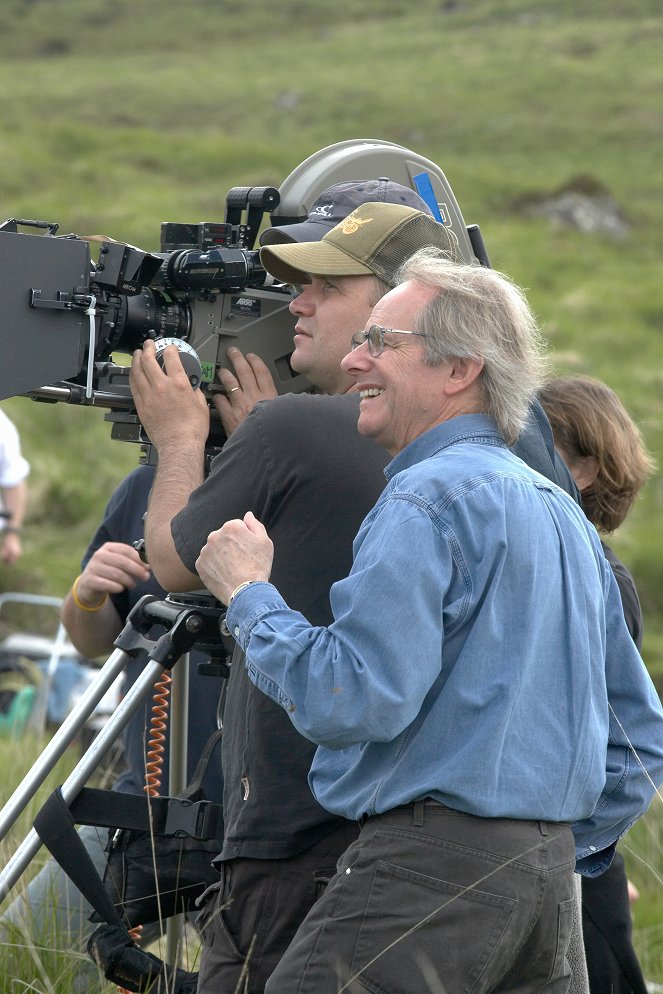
{"type": "Point", "coordinates": [63, 317]}
{"type": "Point", "coordinates": [205, 290]}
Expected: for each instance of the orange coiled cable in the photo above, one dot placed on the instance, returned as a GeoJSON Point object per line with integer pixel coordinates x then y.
{"type": "Point", "coordinates": [154, 757]}
{"type": "Point", "coordinates": [158, 728]}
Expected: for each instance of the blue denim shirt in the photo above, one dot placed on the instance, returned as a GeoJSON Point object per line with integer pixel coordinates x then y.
{"type": "Point", "coordinates": [475, 644]}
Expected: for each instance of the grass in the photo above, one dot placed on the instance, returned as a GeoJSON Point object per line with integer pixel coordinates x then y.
{"type": "Point", "coordinates": [118, 116]}
{"type": "Point", "coordinates": [642, 849]}
{"type": "Point", "coordinates": [50, 962]}
{"type": "Point", "coordinates": [50, 959]}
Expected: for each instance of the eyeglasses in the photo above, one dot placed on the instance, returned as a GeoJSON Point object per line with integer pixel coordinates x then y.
{"type": "Point", "coordinates": [375, 338]}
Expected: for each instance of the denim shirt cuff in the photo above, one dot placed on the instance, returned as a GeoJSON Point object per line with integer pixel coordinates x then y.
{"type": "Point", "coordinates": [248, 607]}
{"type": "Point", "coordinates": [593, 864]}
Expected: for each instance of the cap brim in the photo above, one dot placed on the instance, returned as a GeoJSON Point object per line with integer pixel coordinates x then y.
{"type": "Point", "coordinates": [305, 231]}
{"type": "Point", "coordinates": [293, 263]}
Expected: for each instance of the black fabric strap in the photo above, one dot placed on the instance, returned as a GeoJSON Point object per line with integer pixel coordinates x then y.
{"type": "Point", "coordinates": [176, 816]}
{"type": "Point", "coordinates": [55, 827]}
{"type": "Point", "coordinates": [194, 787]}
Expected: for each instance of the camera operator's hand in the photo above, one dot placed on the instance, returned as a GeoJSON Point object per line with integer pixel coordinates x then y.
{"type": "Point", "coordinates": [176, 418]}
{"type": "Point", "coordinates": [88, 614]}
{"type": "Point", "coordinates": [113, 568]}
{"type": "Point", "coordinates": [240, 550]}
{"type": "Point", "coordinates": [251, 383]}
{"type": "Point", "coordinates": [171, 412]}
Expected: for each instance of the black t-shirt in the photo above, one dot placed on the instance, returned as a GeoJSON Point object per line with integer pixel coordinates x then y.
{"type": "Point", "coordinates": [300, 465]}
{"type": "Point", "coordinates": [123, 522]}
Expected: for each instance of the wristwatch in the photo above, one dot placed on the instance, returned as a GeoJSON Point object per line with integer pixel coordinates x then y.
{"type": "Point", "coordinates": [237, 590]}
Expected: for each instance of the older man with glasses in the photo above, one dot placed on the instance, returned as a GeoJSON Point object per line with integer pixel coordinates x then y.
{"type": "Point", "coordinates": [459, 698]}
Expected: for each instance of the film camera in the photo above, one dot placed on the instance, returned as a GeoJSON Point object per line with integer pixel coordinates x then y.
{"type": "Point", "coordinates": [63, 317]}
{"type": "Point", "coordinates": [203, 291]}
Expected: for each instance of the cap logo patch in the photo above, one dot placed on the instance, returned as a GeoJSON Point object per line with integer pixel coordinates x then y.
{"type": "Point", "coordinates": [353, 224]}
{"type": "Point", "coordinates": [324, 210]}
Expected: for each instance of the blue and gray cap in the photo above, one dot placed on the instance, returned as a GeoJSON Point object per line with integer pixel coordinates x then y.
{"type": "Point", "coordinates": [337, 202]}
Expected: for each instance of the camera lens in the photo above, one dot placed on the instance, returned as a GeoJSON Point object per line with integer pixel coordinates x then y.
{"type": "Point", "coordinates": [129, 321]}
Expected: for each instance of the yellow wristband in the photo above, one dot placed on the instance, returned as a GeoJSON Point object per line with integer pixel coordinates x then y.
{"type": "Point", "coordinates": [86, 607]}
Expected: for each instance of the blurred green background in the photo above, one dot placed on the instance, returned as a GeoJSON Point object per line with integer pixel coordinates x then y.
{"type": "Point", "coordinates": [118, 115]}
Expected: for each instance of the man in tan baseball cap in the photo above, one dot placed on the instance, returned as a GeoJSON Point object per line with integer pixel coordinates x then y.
{"type": "Point", "coordinates": [374, 240]}
{"type": "Point", "coordinates": [341, 277]}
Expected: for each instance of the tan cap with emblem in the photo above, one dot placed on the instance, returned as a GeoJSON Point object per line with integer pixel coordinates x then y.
{"type": "Point", "coordinates": [375, 239]}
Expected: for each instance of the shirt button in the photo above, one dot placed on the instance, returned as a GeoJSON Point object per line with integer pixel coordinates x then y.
{"type": "Point", "coordinates": [236, 632]}
{"type": "Point", "coordinates": [592, 848]}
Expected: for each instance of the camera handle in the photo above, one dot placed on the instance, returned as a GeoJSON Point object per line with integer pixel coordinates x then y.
{"type": "Point", "coordinates": [190, 620]}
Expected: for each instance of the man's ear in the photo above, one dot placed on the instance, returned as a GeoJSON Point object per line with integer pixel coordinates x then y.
{"type": "Point", "coordinates": [463, 373]}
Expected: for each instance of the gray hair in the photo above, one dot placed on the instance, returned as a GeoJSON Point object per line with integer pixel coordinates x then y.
{"type": "Point", "coordinates": [479, 313]}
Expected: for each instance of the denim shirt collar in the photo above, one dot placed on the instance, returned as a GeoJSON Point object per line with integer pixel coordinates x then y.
{"type": "Point", "coordinates": [464, 428]}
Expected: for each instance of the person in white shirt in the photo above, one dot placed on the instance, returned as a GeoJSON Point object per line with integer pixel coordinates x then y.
{"type": "Point", "coordinates": [14, 470]}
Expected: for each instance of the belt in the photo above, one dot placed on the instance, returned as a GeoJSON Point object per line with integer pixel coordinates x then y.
{"type": "Point", "coordinates": [417, 807]}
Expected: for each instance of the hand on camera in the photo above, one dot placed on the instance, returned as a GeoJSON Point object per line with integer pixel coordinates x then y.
{"type": "Point", "coordinates": [169, 409]}
{"type": "Point", "coordinates": [251, 382]}
{"type": "Point", "coordinates": [240, 550]}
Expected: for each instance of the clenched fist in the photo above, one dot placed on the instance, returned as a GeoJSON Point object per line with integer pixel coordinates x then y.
{"type": "Point", "coordinates": [240, 550]}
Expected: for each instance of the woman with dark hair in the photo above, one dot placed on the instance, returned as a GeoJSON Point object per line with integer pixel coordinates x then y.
{"type": "Point", "coordinates": [603, 448]}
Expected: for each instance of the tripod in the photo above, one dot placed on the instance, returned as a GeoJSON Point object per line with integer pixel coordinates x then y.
{"type": "Point", "coordinates": [189, 620]}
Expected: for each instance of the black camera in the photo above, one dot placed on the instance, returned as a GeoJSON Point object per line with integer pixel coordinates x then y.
{"type": "Point", "coordinates": [204, 291]}
{"type": "Point", "coordinates": [62, 317]}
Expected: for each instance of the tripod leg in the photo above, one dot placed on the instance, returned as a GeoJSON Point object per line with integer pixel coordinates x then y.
{"type": "Point", "coordinates": [84, 769]}
{"type": "Point", "coordinates": [61, 740]}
